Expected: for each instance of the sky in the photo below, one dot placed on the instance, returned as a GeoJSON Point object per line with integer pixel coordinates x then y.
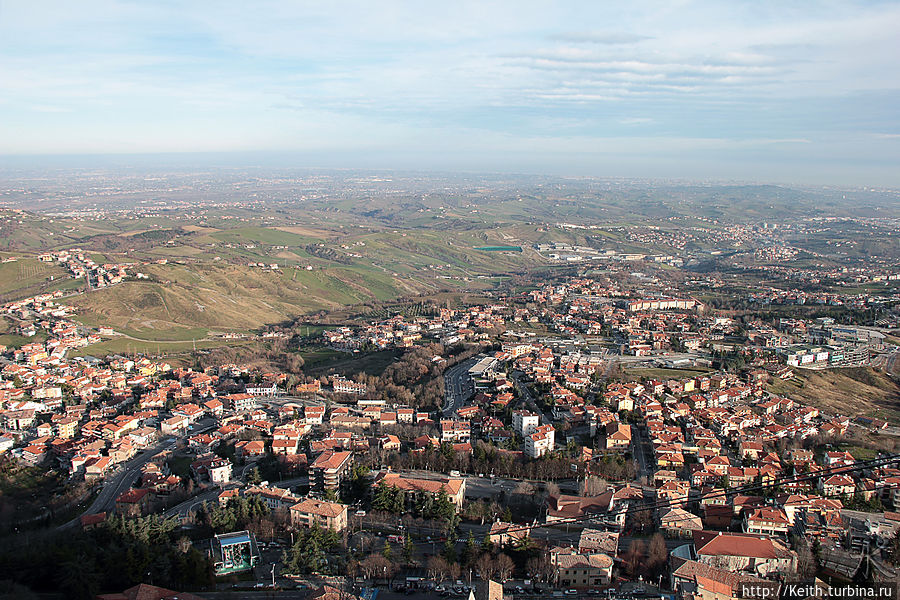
{"type": "Point", "coordinates": [754, 90]}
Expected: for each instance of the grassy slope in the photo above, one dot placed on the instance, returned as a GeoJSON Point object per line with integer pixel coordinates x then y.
{"type": "Point", "coordinates": [228, 297]}
{"type": "Point", "coordinates": [28, 276]}
{"type": "Point", "coordinates": [850, 392]}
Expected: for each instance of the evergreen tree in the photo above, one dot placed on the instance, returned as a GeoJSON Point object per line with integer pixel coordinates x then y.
{"type": "Point", "coordinates": [471, 549]}
{"type": "Point", "coordinates": [407, 550]}
{"type": "Point", "coordinates": [254, 477]}
{"type": "Point", "coordinates": [449, 551]}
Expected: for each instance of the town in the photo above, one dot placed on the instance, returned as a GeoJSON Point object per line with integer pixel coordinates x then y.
{"type": "Point", "coordinates": [592, 435]}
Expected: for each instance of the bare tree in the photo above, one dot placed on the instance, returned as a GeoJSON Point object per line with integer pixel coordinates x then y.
{"type": "Point", "coordinates": [657, 553]}
{"type": "Point", "coordinates": [505, 566]}
{"type": "Point", "coordinates": [523, 488]}
{"type": "Point", "coordinates": [634, 557]}
{"type": "Point", "coordinates": [438, 568]}
{"type": "Point", "coordinates": [593, 486]}
{"type": "Point", "coordinates": [375, 565]}
{"type": "Point", "coordinates": [640, 518]}
{"type": "Point", "coordinates": [485, 567]}
{"type": "Point", "coordinates": [281, 517]}
{"type": "Point", "coordinates": [539, 567]}
{"type": "Point", "coordinates": [806, 560]}
{"type": "Point", "coordinates": [352, 568]}
{"type": "Point", "coordinates": [551, 488]}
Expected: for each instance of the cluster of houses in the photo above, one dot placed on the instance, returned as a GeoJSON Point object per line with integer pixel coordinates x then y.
{"type": "Point", "coordinates": [448, 326]}
{"type": "Point", "coordinates": [81, 266]}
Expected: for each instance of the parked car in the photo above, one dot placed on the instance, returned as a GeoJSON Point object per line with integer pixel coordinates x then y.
{"type": "Point", "coordinates": [570, 592]}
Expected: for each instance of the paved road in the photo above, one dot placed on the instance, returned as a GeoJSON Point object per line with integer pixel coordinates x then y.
{"type": "Point", "coordinates": [528, 398]}
{"type": "Point", "coordinates": [289, 483]}
{"type": "Point", "coordinates": [121, 481]}
{"type": "Point", "coordinates": [192, 504]}
{"type": "Point", "coordinates": [128, 472]}
{"type": "Point", "coordinates": [477, 486]}
{"type": "Point", "coordinates": [261, 594]}
{"type": "Point", "coordinates": [642, 451]}
{"type": "Point", "coordinates": [458, 386]}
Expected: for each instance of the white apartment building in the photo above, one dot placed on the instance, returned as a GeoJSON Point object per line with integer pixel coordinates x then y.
{"type": "Point", "coordinates": [525, 422]}
{"type": "Point", "coordinates": [541, 442]}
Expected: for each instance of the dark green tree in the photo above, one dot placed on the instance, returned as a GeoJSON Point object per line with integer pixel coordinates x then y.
{"type": "Point", "coordinates": [449, 551]}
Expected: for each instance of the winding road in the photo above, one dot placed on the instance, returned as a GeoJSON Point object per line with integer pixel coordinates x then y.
{"type": "Point", "coordinates": [119, 482]}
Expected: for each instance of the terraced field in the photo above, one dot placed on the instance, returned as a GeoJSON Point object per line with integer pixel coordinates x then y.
{"type": "Point", "coordinates": [28, 276]}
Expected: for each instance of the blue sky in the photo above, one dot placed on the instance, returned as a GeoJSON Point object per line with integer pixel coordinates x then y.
{"type": "Point", "coordinates": [755, 90]}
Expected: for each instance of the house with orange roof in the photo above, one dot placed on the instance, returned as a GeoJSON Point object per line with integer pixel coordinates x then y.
{"type": "Point", "coordinates": [745, 553]}
{"type": "Point", "coordinates": [705, 582]}
{"type": "Point", "coordinates": [246, 449]}
{"type": "Point", "coordinates": [311, 513]}
{"type": "Point", "coordinates": [618, 436]}
{"type": "Point", "coordinates": [133, 502]}
{"type": "Point", "coordinates": [273, 497]}
{"type": "Point", "coordinates": [174, 425]}
{"type": "Point", "coordinates": [542, 441]}
{"type": "Point", "coordinates": [454, 487]}
{"type": "Point", "coordinates": [677, 522]}
{"type": "Point", "coordinates": [97, 467]}
{"type": "Point", "coordinates": [837, 485]}
{"type": "Point", "coordinates": [767, 521]}
{"type": "Point", "coordinates": [329, 469]}
{"type": "Point", "coordinates": [389, 442]}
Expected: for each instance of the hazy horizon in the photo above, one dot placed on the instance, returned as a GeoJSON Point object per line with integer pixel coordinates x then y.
{"type": "Point", "coordinates": [757, 92]}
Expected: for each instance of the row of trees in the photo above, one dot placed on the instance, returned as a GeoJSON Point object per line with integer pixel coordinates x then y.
{"type": "Point", "coordinates": [238, 513]}
{"type": "Point", "coordinates": [429, 506]}
{"type": "Point", "coordinates": [485, 458]}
